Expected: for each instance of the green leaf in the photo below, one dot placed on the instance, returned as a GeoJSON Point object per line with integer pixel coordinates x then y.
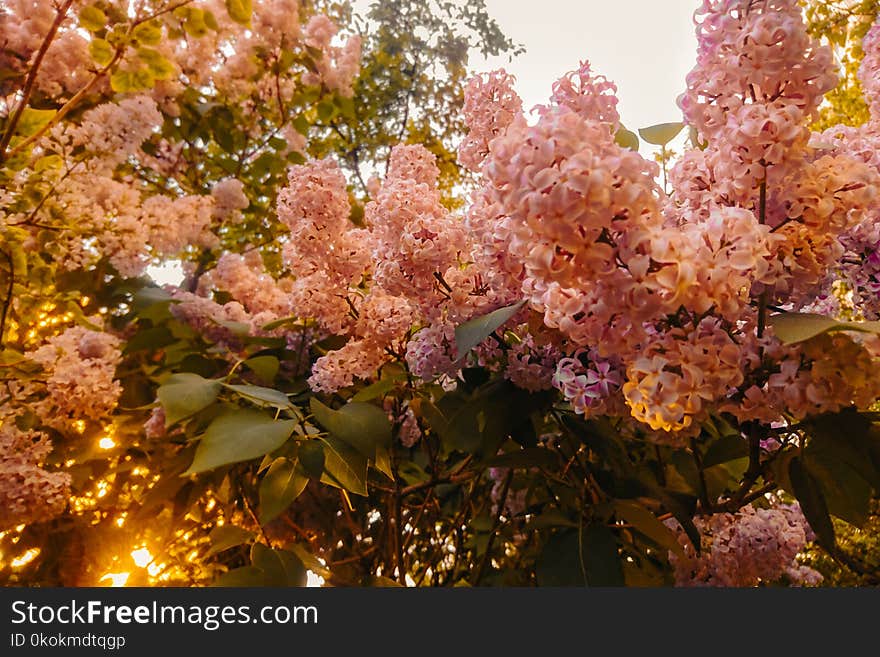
{"type": "Point", "coordinates": [848, 436]}
{"type": "Point", "coordinates": [412, 473]}
{"type": "Point", "coordinates": [149, 296]}
{"type": "Point", "coordinates": [662, 133]}
{"type": "Point", "coordinates": [239, 435]}
{"type": "Point", "coordinates": [460, 431]}
{"type": "Point", "coordinates": [240, 11]}
{"type": "Point", "coordinates": [601, 557]}
{"type": "Point", "coordinates": [33, 120]}
{"type": "Point", "coordinates": [839, 454]}
{"type": "Point", "coordinates": [326, 110]}
{"type": "Point", "coordinates": [48, 162]}
{"type": "Point", "coordinates": [809, 494]}
{"type": "Point", "coordinates": [725, 449]}
{"type": "Point", "coordinates": [381, 387]}
{"type": "Point", "coordinates": [211, 20]}
{"type": "Point", "coordinates": [143, 79]}
{"type": "Point", "coordinates": [101, 51]}
{"type": "Point", "coordinates": [648, 524]}
{"type": "Point", "coordinates": [301, 124]}
{"type": "Point", "coordinates": [602, 438]}
{"type": "Point", "coordinates": [195, 24]}
{"type": "Point", "coordinates": [627, 139]}
{"type": "Point", "coordinates": [92, 18]}
{"type": "Point", "coordinates": [311, 458]}
{"type": "Point", "coordinates": [265, 367]}
{"type": "Point", "coordinates": [580, 557]}
{"type": "Point", "coordinates": [278, 323]}
{"type": "Point", "coordinates": [281, 485]}
{"type": "Point", "coordinates": [158, 67]}
{"type": "Point", "coordinates": [551, 518]}
{"type": "Point", "coordinates": [151, 338]}
{"type": "Point", "coordinates": [183, 395]}
{"type": "Point", "coordinates": [561, 563]}
{"type": "Point", "coordinates": [122, 81]}
{"type": "Point", "coordinates": [261, 396]}
{"type": "Point", "coordinates": [344, 466]}
{"type": "Point", "coordinates": [362, 426]}
{"type": "Point", "coordinates": [280, 567]}
{"type": "Point", "coordinates": [238, 329]}
{"type": "Point", "coordinates": [847, 494]}
{"type": "Point", "coordinates": [11, 357]}
{"type": "Point", "coordinates": [149, 33]}
{"type": "Point", "coordinates": [798, 327]}
{"type": "Point", "coordinates": [383, 462]}
{"type": "Point", "coordinates": [227, 536]}
{"type": "Point", "coordinates": [474, 331]}
{"type": "Point", "coordinates": [309, 560]}
{"type": "Point", "coordinates": [346, 106]}
{"type": "Point", "coordinates": [680, 510]}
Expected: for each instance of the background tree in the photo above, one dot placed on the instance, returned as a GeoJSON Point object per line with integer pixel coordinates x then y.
{"type": "Point", "coordinates": [843, 24]}
{"type": "Point", "coordinates": [411, 84]}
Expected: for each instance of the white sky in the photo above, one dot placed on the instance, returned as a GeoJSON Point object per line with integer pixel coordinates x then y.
{"type": "Point", "coordinates": [646, 47]}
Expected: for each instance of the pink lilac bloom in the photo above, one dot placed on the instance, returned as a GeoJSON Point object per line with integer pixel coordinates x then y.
{"type": "Point", "coordinates": [28, 493]}
{"type": "Point", "coordinates": [752, 547]}
{"type": "Point", "coordinates": [490, 105]}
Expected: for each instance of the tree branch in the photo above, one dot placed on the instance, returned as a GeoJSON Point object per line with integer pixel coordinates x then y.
{"type": "Point", "coordinates": [32, 78]}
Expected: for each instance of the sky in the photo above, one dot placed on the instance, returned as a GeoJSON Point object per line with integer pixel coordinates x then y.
{"type": "Point", "coordinates": [646, 47]}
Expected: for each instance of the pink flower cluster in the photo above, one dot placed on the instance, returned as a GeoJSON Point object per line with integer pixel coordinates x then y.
{"type": "Point", "coordinates": [858, 262]}
{"type": "Point", "coordinates": [490, 105]}
{"type": "Point", "coordinates": [408, 430]}
{"type": "Point", "coordinates": [759, 77]}
{"type": "Point", "coordinates": [338, 66]}
{"type": "Point", "coordinates": [23, 26]}
{"type": "Point", "coordinates": [588, 383]}
{"type": "Point", "coordinates": [825, 374]}
{"type": "Point", "coordinates": [415, 239]}
{"type": "Point", "coordinates": [113, 132]}
{"type": "Point", "coordinates": [412, 251]}
{"type": "Point", "coordinates": [583, 216]}
{"type": "Point", "coordinates": [591, 96]}
{"type": "Point", "coordinates": [111, 218]}
{"type": "Point", "coordinates": [432, 351]}
{"type": "Point", "coordinates": [383, 321]}
{"type": "Point", "coordinates": [80, 369]}
{"type": "Point", "coordinates": [752, 547]}
{"type": "Point", "coordinates": [117, 222]}
{"type": "Point", "coordinates": [229, 199]}
{"type": "Point", "coordinates": [325, 254]}
{"type": "Point", "coordinates": [531, 366]}
{"type": "Point", "coordinates": [681, 373]}
{"type": "Point", "coordinates": [245, 278]}
{"type": "Point", "coordinates": [869, 70]}
{"type": "Point", "coordinates": [28, 493]}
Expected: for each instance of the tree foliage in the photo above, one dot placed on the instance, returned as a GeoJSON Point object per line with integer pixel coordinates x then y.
{"type": "Point", "coordinates": [843, 25]}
